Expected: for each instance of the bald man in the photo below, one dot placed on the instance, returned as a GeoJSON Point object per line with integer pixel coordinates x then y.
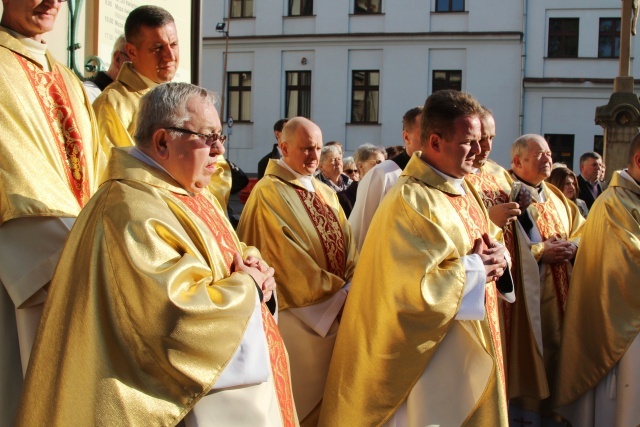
{"type": "Point", "coordinates": [298, 225]}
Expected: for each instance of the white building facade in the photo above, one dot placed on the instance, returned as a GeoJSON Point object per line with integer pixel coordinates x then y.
{"type": "Point", "coordinates": [354, 67]}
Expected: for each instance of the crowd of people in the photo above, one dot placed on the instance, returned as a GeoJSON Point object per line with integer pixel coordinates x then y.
{"type": "Point", "coordinates": [417, 285]}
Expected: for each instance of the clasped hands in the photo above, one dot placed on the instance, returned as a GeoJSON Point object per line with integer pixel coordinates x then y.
{"type": "Point", "coordinates": [259, 271]}
{"type": "Point", "coordinates": [557, 251]}
{"type": "Point", "coordinates": [492, 256]}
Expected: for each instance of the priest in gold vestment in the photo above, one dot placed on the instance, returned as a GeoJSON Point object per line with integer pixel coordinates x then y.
{"type": "Point", "coordinates": [548, 237]}
{"type": "Point", "coordinates": [50, 165]}
{"type": "Point", "coordinates": [299, 227]}
{"type": "Point", "coordinates": [419, 342]}
{"type": "Point", "coordinates": [495, 185]}
{"type": "Point", "coordinates": [152, 45]}
{"type": "Point", "coordinates": [156, 312]}
{"type": "Point", "coordinates": [599, 366]}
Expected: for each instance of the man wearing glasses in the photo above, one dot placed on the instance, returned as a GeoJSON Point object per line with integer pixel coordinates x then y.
{"type": "Point", "coordinates": [158, 312]}
{"type": "Point", "coordinates": [152, 46]}
{"type": "Point", "coordinates": [50, 164]}
{"type": "Point", "coordinates": [102, 79]}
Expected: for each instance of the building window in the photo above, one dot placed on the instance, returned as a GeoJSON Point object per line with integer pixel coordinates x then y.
{"type": "Point", "coordinates": [365, 93]}
{"type": "Point", "coordinates": [241, 8]}
{"type": "Point", "coordinates": [363, 7]}
{"type": "Point", "coordinates": [609, 38]}
{"type": "Point", "coordinates": [298, 94]}
{"type": "Point", "coordinates": [598, 144]}
{"type": "Point", "coordinates": [300, 7]}
{"type": "Point", "coordinates": [239, 96]}
{"type": "Point", "coordinates": [561, 146]}
{"type": "Point", "coordinates": [447, 79]}
{"type": "Point", "coordinates": [449, 5]}
{"type": "Point", "coordinates": [563, 37]}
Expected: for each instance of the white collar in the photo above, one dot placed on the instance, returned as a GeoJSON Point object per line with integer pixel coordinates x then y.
{"type": "Point", "coordinates": [305, 180]}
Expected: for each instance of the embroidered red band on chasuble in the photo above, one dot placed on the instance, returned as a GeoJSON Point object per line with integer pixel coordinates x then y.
{"type": "Point", "coordinates": [205, 210]}
{"type": "Point", "coordinates": [549, 225]}
{"type": "Point", "coordinates": [328, 228]}
{"type": "Point", "coordinates": [56, 105]}
{"type": "Point", "coordinates": [476, 225]}
{"type": "Point", "coordinates": [492, 195]}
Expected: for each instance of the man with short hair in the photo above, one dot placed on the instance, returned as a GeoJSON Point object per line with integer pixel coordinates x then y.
{"type": "Point", "coordinates": [381, 178]}
{"type": "Point", "coordinates": [419, 342]}
{"type": "Point", "coordinates": [50, 165]}
{"type": "Point", "coordinates": [275, 151]}
{"type": "Point", "coordinates": [95, 85]}
{"type": "Point", "coordinates": [548, 237]}
{"type": "Point", "coordinates": [152, 45]}
{"type": "Point", "coordinates": [156, 310]}
{"type": "Point", "coordinates": [331, 169]}
{"type": "Point", "coordinates": [299, 227]}
{"type": "Point", "coordinates": [598, 368]}
{"type": "Point", "coordinates": [589, 179]}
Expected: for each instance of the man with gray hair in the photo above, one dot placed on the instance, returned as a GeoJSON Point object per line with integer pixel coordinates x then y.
{"type": "Point", "coordinates": [548, 236]}
{"type": "Point", "coordinates": [157, 312]}
{"type": "Point", "coordinates": [366, 157]}
{"type": "Point", "coordinates": [330, 168]}
{"type": "Point", "coordinates": [589, 179]}
{"type": "Point", "coordinates": [95, 85]}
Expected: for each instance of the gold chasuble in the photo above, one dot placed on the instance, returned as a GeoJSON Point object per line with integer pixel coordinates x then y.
{"type": "Point", "coordinates": [305, 236]}
{"type": "Point", "coordinates": [399, 340]}
{"type": "Point", "coordinates": [143, 313]}
{"type": "Point", "coordinates": [602, 315]}
{"type": "Point", "coordinates": [523, 364]}
{"type": "Point", "coordinates": [536, 337]}
{"type": "Point", "coordinates": [49, 161]}
{"type": "Point", "coordinates": [117, 110]}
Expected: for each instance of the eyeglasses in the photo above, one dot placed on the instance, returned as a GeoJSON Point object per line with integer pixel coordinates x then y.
{"type": "Point", "coordinates": [350, 171]}
{"type": "Point", "coordinates": [208, 139]}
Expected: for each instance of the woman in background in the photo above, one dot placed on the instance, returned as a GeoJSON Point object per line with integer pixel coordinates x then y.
{"type": "Point", "coordinates": [566, 181]}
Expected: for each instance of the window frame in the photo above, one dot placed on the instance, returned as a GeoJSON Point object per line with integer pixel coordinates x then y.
{"type": "Point", "coordinates": [449, 8]}
{"type": "Point", "coordinates": [564, 35]}
{"type": "Point", "coordinates": [299, 88]}
{"type": "Point", "coordinates": [243, 9]}
{"type": "Point", "coordinates": [357, 11]}
{"type": "Point", "coordinates": [309, 6]}
{"type": "Point", "coordinates": [368, 89]}
{"type": "Point", "coordinates": [562, 143]}
{"type": "Point", "coordinates": [613, 36]}
{"type": "Point", "coordinates": [240, 89]}
{"type": "Point", "coordinates": [448, 84]}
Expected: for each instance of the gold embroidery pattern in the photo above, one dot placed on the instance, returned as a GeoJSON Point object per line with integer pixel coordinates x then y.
{"type": "Point", "coordinates": [56, 105]}
{"type": "Point", "coordinates": [550, 225]}
{"type": "Point", "coordinates": [204, 210]}
{"type": "Point", "coordinates": [476, 225]}
{"type": "Point", "coordinates": [489, 189]}
{"type": "Point", "coordinates": [328, 228]}
{"type": "Point", "coordinates": [279, 367]}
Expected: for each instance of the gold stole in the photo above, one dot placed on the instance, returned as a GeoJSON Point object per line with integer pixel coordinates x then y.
{"type": "Point", "coordinates": [54, 100]}
{"type": "Point", "coordinates": [205, 210]}
{"type": "Point", "coordinates": [549, 225]}
{"type": "Point", "coordinates": [328, 228]}
{"type": "Point", "coordinates": [476, 225]}
{"type": "Point", "coordinates": [492, 194]}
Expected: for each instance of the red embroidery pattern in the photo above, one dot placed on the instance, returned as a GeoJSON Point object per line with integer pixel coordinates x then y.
{"type": "Point", "coordinates": [279, 367]}
{"type": "Point", "coordinates": [476, 225]}
{"type": "Point", "coordinates": [205, 210]}
{"type": "Point", "coordinates": [492, 194]}
{"type": "Point", "coordinates": [328, 228]}
{"type": "Point", "coordinates": [550, 225]}
{"type": "Point", "coordinates": [51, 92]}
